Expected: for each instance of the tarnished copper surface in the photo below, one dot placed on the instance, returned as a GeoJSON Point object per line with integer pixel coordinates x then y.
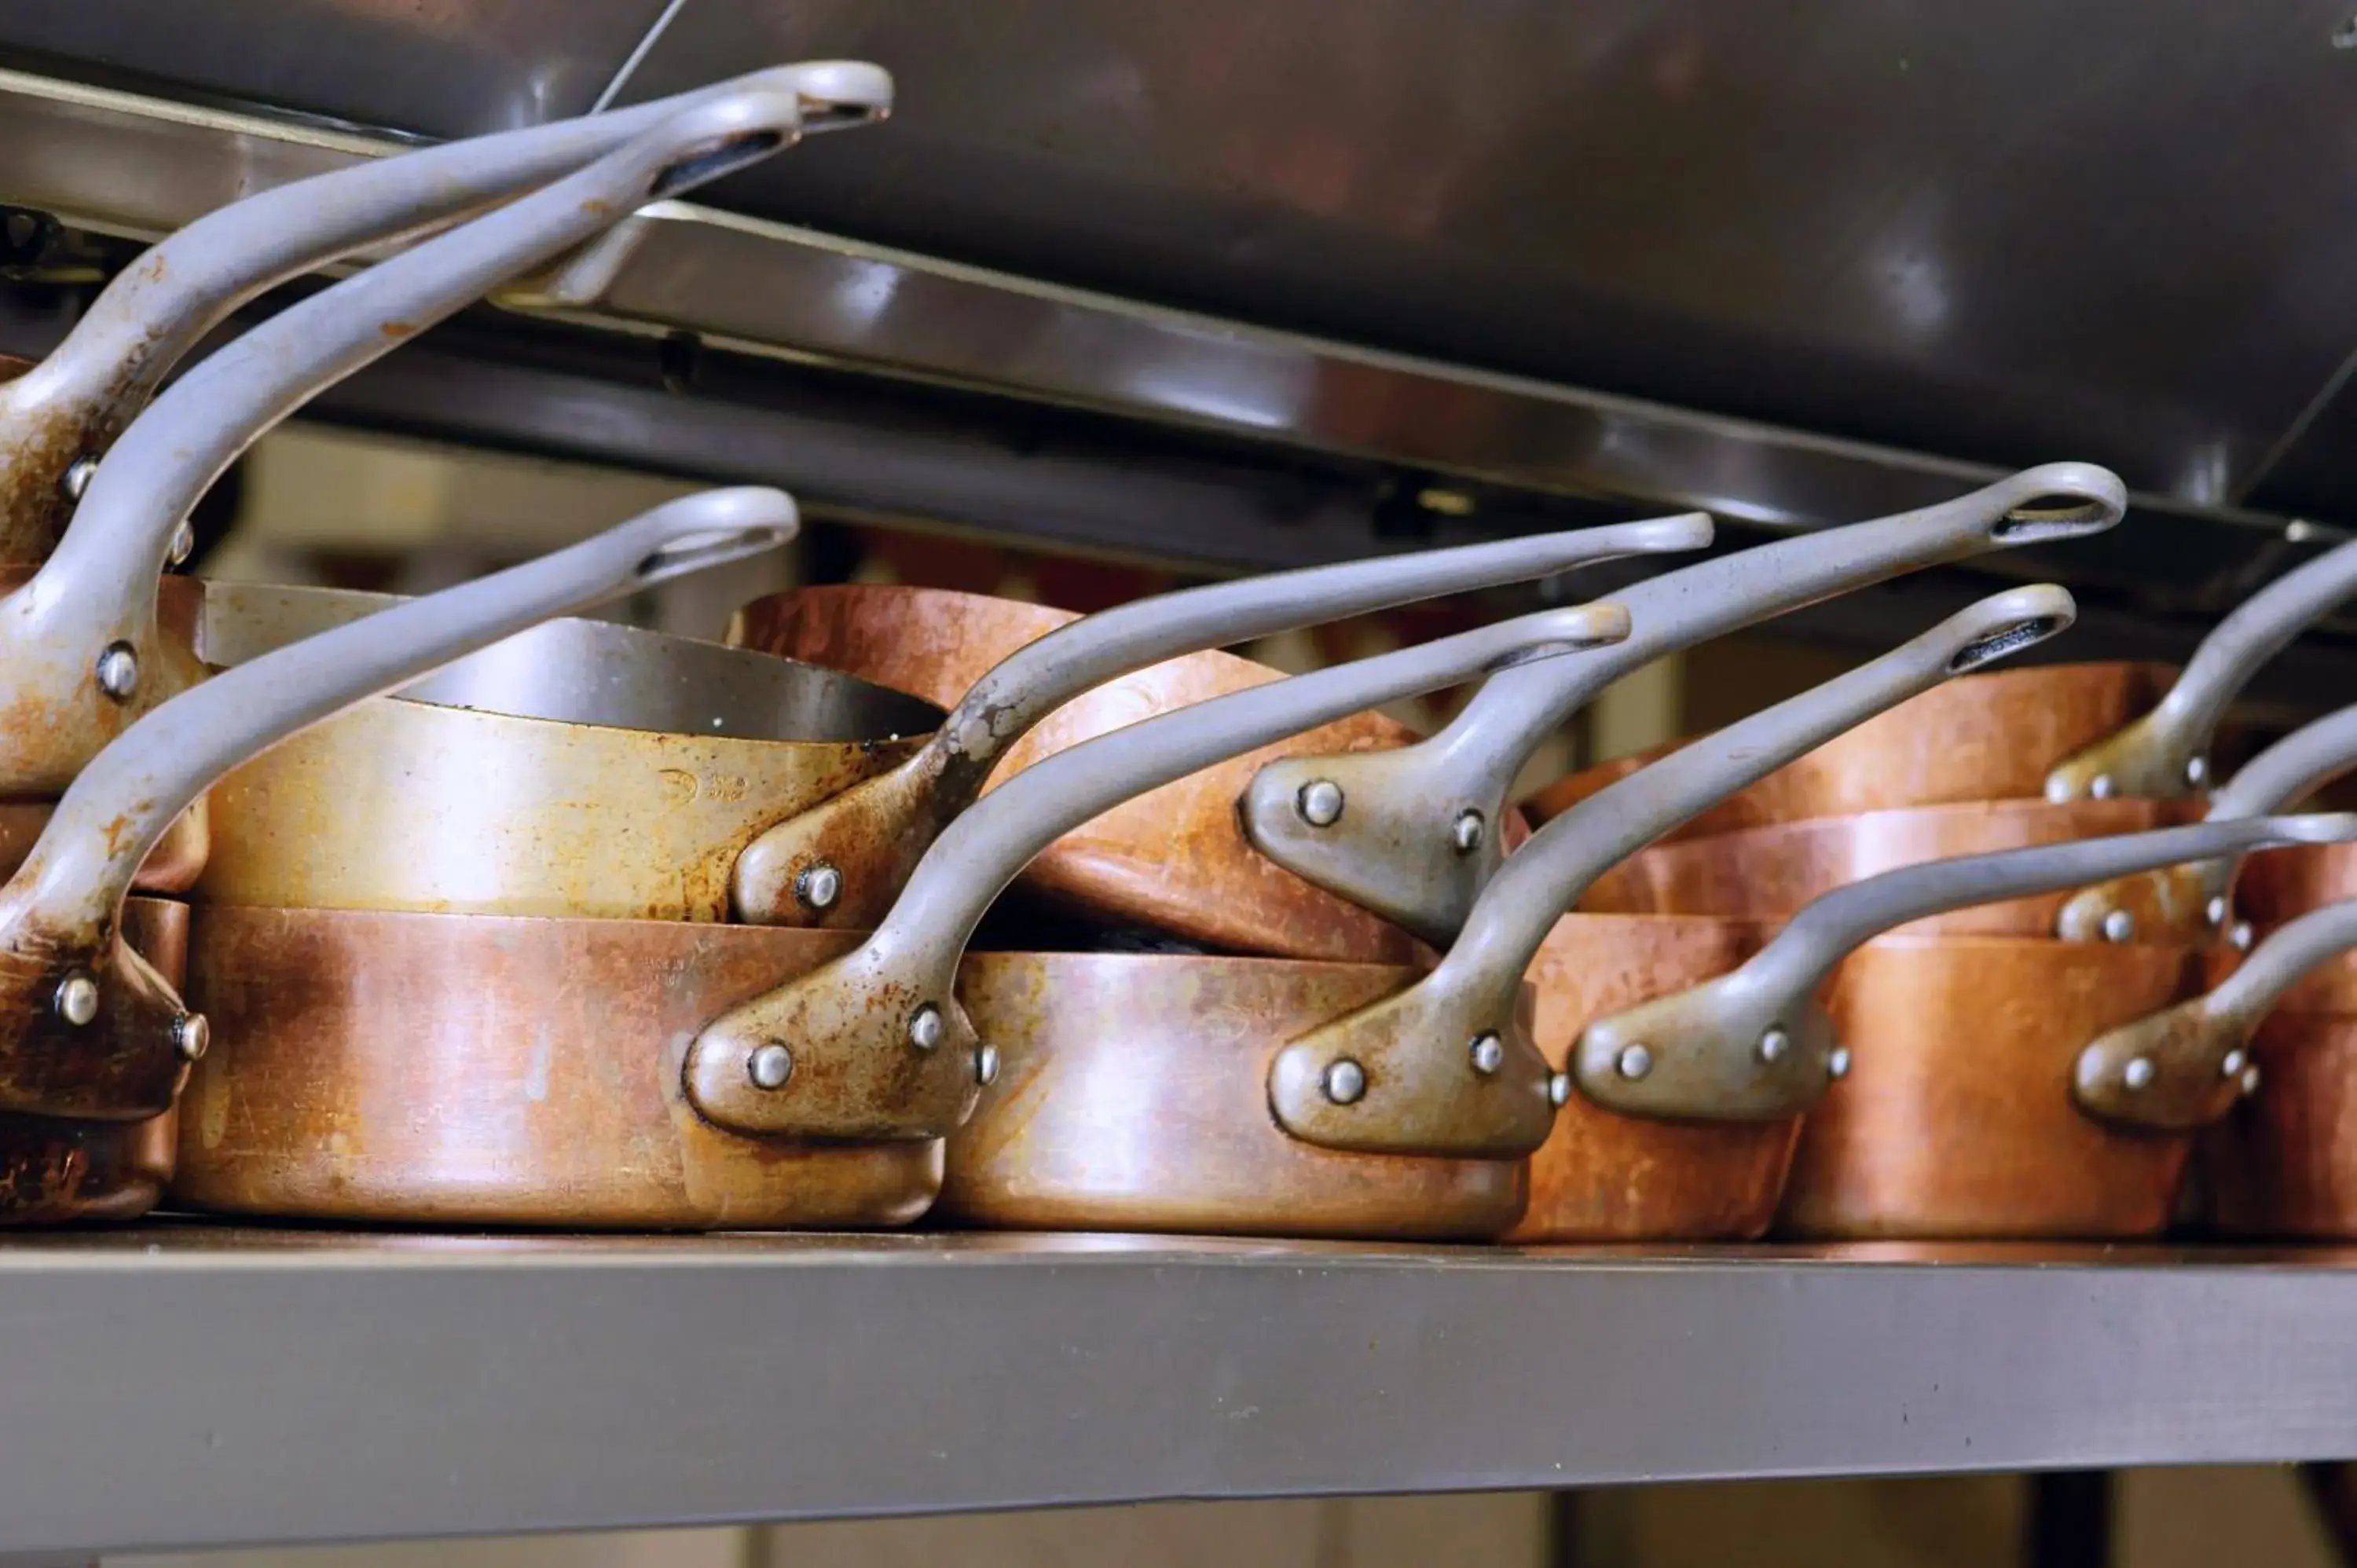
{"type": "Point", "coordinates": [482, 1070]}
{"type": "Point", "coordinates": [1132, 1095]}
{"type": "Point", "coordinates": [2284, 1162]}
{"type": "Point", "coordinates": [402, 805]}
{"type": "Point", "coordinates": [1602, 1177]}
{"type": "Point", "coordinates": [2285, 884]}
{"type": "Point", "coordinates": [1173, 858]}
{"type": "Point", "coordinates": [1769, 872]}
{"type": "Point", "coordinates": [1980, 737]}
{"type": "Point", "coordinates": [172, 867]}
{"type": "Point", "coordinates": [1956, 1121]}
{"type": "Point", "coordinates": [53, 1171]}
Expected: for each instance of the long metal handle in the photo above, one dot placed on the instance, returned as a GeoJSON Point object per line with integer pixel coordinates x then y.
{"type": "Point", "coordinates": [1446, 1067]}
{"type": "Point", "coordinates": [1752, 1044]}
{"type": "Point", "coordinates": [1396, 847]}
{"type": "Point", "coordinates": [2165, 753]}
{"type": "Point", "coordinates": [71, 405]}
{"type": "Point", "coordinates": [899, 813]}
{"type": "Point", "coordinates": [87, 1030]}
{"type": "Point", "coordinates": [81, 635]}
{"type": "Point", "coordinates": [2284, 773]}
{"type": "Point", "coordinates": [873, 1045]}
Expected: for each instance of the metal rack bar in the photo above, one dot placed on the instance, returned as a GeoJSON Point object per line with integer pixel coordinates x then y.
{"type": "Point", "coordinates": [184, 1387]}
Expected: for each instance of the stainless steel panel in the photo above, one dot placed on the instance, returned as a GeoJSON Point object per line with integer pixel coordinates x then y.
{"type": "Point", "coordinates": [437, 68]}
{"type": "Point", "coordinates": [2118, 229]}
{"type": "Point", "coordinates": [189, 1388]}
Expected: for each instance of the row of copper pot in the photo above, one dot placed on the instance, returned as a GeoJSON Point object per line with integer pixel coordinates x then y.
{"type": "Point", "coordinates": [602, 928]}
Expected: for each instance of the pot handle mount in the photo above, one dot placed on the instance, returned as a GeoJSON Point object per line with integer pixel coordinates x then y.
{"type": "Point", "coordinates": [2185, 1066]}
{"type": "Point", "coordinates": [2294, 767]}
{"type": "Point", "coordinates": [1752, 1044]}
{"type": "Point", "coordinates": [874, 1043]}
{"type": "Point", "coordinates": [1409, 839]}
{"type": "Point", "coordinates": [87, 1029]}
{"type": "Point", "coordinates": [895, 815]}
{"type": "Point", "coordinates": [79, 642]}
{"type": "Point", "coordinates": [2165, 753]}
{"type": "Point", "coordinates": [1446, 1067]}
{"type": "Point", "coordinates": [68, 409]}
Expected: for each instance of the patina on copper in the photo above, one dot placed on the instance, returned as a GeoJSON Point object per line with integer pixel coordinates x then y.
{"type": "Point", "coordinates": [423, 1069]}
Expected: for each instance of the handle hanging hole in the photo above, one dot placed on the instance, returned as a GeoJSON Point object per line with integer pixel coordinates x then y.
{"type": "Point", "coordinates": [1998, 644]}
{"type": "Point", "coordinates": [695, 551]}
{"type": "Point", "coordinates": [2051, 517]}
{"type": "Point", "coordinates": [695, 168]}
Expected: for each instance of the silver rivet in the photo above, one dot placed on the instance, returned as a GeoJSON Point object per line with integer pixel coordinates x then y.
{"type": "Point", "coordinates": [2215, 910]}
{"type": "Point", "coordinates": [819, 887]}
{"type": "Point", "coordinates": [2138, 1074]}
{"type": "Point", "coordinates": [191, 1037]}
{"type": "Point", "coordinates": [1466, 832]}
{"type": "Point", "coordinates": [2101, 788]}
{"type": "Point", "coordinates": [77, 999]}
{"type": "Point", "coordinates": [925, 1027]}
{"type": "Point", "coordinates": [770, 1065]}
{"type": "Point", "coordinates": [2251, 1079]}
{"type": "Point", "coordinates": [184, 543]}
{"type": "Point", "coordinates": [1633, 1062]}
{"type": "Point", "coordinates": [75, 481]}
{"type": "Point", "coordinates": [2234, 1063]}
{"type": "Point", "coordinates": [1837, 1063]}
{"type": "Point", "coordinates": [1773, 1045]}
{"type": "Point", "coordinates": [1321, 803]}
{"type": "Point", "coordinates": [2197, 771]}
{"type": "Point", "coordinates": [2118, 926]}
{"type": "Point", "coordinates": [118, 670]}
{"type": "Point", "coordinates": [985, 1066]}
{"type": "Point", "coordinates": [1344, 1081]}
{"type": "Point", "coordinates": [1489, 1053]}
{"type": "Point", "coordinates": [2241, 936]}
{"type": "Point", "coordinates": [1558, 1088]}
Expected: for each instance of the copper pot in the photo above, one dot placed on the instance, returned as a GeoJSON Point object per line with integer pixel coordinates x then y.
{"type": "Point", "coordinates": [776, 821]}
{"type": "Point", "coordinates": [393, 1065]}
{"type": "Point", "coordinates": [1398, 844]}
{"type": "Point", "coordinates": [1138, 1092]}
{"type": "Point", "coordinates": [1978, 1086]}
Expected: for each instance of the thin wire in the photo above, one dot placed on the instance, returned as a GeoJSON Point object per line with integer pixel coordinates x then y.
{"type": "Point", "coordinates": [630, 65]}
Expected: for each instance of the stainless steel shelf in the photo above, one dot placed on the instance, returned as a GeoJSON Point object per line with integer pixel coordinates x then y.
{"type": "Point", "coordinates": [180, 1387]}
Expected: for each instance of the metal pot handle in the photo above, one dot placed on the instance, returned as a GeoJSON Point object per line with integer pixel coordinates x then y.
{"type": "Point", "coordinates": [1395, 848]}
{"type": "Point", "coordinates": [2294, 768]}
{"type": "Point", "coordinates": [69, 408]}
{"type": "Point", "coordinates": [895, 815]}
{"type": "Point", "coordinates": [87, 1029]}
{"type": "Point", "coordinates": [1447, 1066]}
{"type": "Point", "coordinates": [78, 643]}
{"type": "Point", "coordinates": [2165, 753]}
{"type": "Point", "coordinates": [1752, 1044]}
{"type": "Point", "coordinates": [2184, 1067]}
{"type": "Point", "coordinates": [874, 1043]}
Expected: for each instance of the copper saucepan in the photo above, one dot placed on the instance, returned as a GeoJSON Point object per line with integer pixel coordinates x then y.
{"type": "Point", "coordinates": [1138, 1092]}
{"type": "Point", "coordinates": [408, 1066]}
{"type": "Point", "coordinates": [56, 418]}
{"type": "Point", "coordinates": [93, 1040]}
{"type": "Point", "coordinates": [1772, 871]}
{"type": "Point", "coordinates": [83, 651]}
{"type": "Point", "coordinates": [1974, 1098]}
{"type": "Point", "coordinates": [2063, 733]}
{"type": "Point", "coordinates": [404, 805]}
{"type": "Point", "coordinates": [1388, 829]}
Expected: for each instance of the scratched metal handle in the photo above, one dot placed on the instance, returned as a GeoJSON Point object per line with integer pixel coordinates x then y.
{"type": "Point", "coordinates": [903, 808]}
{"type": "Point", "coordinates": [2196, 895]}
{"type": "Point", "coordinates": [87, 1030]}
{"type": "Point", "coordinates": [2165, 753]}
{"type": "Point", "coordinates": [1445, 1065]}
{"type": "Point", "coordinates": [873, 1045]}
{"type": "Point", "coordinates": [72, 404]}
{"type": "Point", "coordinates": [80, 640]}
{"type": "Point", "coordinates": [1395, 849]}
{"type": "Point", "coordinates": [2185, 1066]}
{"type": "Point", "coordinates": [1751, 1045]}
